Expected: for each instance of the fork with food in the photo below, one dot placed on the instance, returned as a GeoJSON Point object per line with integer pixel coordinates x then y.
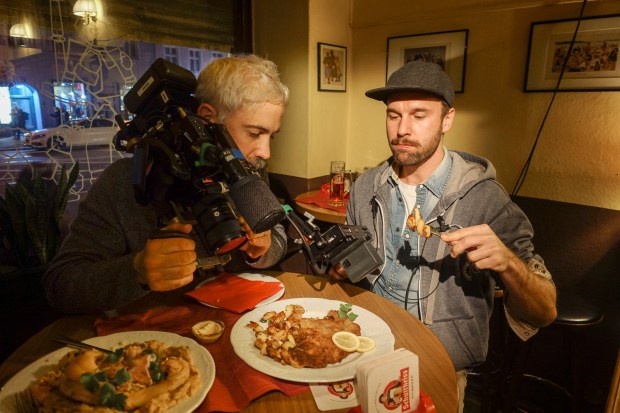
{"type": "Point", "coordinates": [415, 222]}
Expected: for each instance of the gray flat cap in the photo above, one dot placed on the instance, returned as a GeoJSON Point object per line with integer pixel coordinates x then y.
{"type": "Point", "coordinates": [416, 76]}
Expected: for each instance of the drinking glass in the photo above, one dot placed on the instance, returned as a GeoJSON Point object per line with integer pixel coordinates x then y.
{"type": "Point", "coordinates": [336, 183]}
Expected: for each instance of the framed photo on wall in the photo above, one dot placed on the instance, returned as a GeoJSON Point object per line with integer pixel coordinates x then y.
{"type": "Point", "coordinates": [332, 67]}
{"type": "Point", "coordinates": [448, 49]}
{"type": "Point", "coordinates": [592, 63]}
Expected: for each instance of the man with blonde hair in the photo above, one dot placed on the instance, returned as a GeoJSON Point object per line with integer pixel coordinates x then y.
{"type": "Point", "coordinates": [108, 258]}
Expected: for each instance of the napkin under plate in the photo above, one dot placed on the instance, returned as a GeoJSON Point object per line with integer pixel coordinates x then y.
{"type": "Point", "coordinates": [234, 293]}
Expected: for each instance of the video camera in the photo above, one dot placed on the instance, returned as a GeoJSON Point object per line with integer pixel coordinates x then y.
{"type": "Point", "coordinates": [188, 167]}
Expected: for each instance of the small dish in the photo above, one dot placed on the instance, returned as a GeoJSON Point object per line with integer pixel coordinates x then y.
{"type": "Point", "coordinates": [208, 331]}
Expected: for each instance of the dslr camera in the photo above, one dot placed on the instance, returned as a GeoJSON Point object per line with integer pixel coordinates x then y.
{"type": "Point", "coordinates": [188, 167]}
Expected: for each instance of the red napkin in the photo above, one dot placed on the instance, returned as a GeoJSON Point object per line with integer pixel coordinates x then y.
{"type": "Point", "coordinates": [321, 199]}
{"type": "Point", "coordinates": [236, 384]}
{"type": "Point", "coordinates": [233, 293]}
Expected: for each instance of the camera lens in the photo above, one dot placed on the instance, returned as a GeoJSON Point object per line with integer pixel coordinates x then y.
{"type": "Point", "coordinates": [222, 231]}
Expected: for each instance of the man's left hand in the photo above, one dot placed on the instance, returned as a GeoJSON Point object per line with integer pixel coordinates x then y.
{"type": "Point", "coordinates": [257, 244]}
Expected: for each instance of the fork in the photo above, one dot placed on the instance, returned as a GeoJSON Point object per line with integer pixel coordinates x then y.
{"type": "Point", "coordinates": [25, 402]}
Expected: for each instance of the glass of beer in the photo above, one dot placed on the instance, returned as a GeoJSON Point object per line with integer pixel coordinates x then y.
{"type": "Point", "coordinates": [336, 183]}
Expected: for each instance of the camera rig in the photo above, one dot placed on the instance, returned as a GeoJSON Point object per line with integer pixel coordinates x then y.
{"type": "Point", "coordinates": [342, 247]}
{"type": "Point", "coordinates": [192, 169]}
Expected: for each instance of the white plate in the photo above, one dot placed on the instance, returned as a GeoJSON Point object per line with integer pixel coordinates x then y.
{"type": "Point", "coordinates": [251, 277]}
{"type": "Point", "coordinates": [200, 356]}
{"type": "Point", "coordinates": [242, 339]}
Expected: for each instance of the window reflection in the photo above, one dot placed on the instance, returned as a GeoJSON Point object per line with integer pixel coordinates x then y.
{"type": "Point", "coordinates": [68, 72]}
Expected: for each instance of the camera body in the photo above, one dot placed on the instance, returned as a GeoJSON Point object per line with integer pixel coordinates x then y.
{"type": "Point", "coordinates": [342, 247]}
{"type": "Point", "coordinates": [183, 164]}
{"type": "Point", "coordinates": [347, 247]}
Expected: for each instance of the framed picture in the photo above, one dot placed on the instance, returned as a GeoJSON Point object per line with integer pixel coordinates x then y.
{"type": "Point", "coordinates": [332, 67]}
{"type": "Point", "coordinates": [591, 64]}
{"type": "Point", "coordinates": [448, 49]}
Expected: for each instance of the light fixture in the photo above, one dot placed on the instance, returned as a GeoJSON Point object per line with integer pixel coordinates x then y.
{"type": "Point", "coordinates": [18, 31]}
{"type": "Point", "coordinates": [86, 9]}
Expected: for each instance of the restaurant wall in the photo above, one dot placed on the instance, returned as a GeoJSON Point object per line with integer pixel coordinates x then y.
{"type": "Point", "coordinates": [315, 125]}
{"type": "Point", "coordinates": [281, 32]}
{"type": "Point", "coordinates": [575, 158]}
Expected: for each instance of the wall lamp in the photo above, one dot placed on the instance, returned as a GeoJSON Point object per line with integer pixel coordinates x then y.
{"type": "Point", "coordinates": [86, 9]}
{"type": "Point", "coordinates": [18, 32]}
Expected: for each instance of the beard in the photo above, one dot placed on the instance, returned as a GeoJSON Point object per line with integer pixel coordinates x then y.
{"type": "Point", "coordinates": [421, 154]}
{"type": "Point", "coordinates": [258, 163]}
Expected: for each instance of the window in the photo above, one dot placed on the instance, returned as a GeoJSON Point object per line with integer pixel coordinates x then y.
{"type": "Point", "coordinates": [195, 63]}
{"type": "Point", "coordinates": [131, 48]}
{"type": "Point", "coordinates": [171, 54]}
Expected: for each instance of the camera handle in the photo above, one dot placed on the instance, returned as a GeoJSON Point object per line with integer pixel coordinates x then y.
{"type": "Point", "coordinates": [346, 246]}
{"type": "Point", "coordinates": [307, 230]}
{"type": "Point", "coordinates": [201, 262]}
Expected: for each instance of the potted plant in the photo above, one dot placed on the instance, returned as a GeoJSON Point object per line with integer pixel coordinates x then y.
{"type": "Point", "coordinates": [31, 214]}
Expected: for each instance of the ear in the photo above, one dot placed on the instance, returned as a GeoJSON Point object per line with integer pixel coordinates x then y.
{"type": "Point", "coordinates": [447, 121]}
{"type": "Point", "coordinates": [207, 111]}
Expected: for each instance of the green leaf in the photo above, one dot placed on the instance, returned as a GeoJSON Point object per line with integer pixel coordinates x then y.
{"type": "Point", "coordinates": [109, 397]}
{"type": "Point", "coordinates": [31, 215]}
{"type": "Point", "coordinates": [121, 376]}
{"type": "Point", "coordinates": [90, 382]}
{"type": "Point", "coordinates": [118, 354]}
{"type": "Point", "coordinates": [345, 311]}
{"type": "Point", "coordinates": [155, 372]}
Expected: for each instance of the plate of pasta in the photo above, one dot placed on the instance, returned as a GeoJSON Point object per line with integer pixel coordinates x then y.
{"type": "Point", "coordinates": [164, 370]}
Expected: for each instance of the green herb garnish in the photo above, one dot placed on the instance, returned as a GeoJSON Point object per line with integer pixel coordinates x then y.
{"type": "Point", "coordinates": [345, 312]}
{"type": "Point", "coordinates": [120, 377]}
{"type": "Point", "coordinates": [107, 392]}
{"type": "Point", "coordinates": [156, 374]}
{"type": "Point", "coordinates": [118, 353]}
{"type": "Point", "coordinates": [110, 398]}
{"type": "Point", "coordinates": [90, 382]}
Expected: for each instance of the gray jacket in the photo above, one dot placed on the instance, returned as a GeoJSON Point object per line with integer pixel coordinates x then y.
{"type": "Point", "coordinates": [456, 299]}
{"type": "Point", "coordinates": [93, 271]}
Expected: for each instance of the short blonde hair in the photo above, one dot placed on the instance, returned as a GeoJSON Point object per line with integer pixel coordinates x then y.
{"type": "Point", "coordinates": [232, 83]}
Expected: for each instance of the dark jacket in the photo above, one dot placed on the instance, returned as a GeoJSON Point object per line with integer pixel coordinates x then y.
{"type": "Point", "coordinates": [93, 271]}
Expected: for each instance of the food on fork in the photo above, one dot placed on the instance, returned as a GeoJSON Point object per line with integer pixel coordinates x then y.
{"type": "Point", "coordinates": [289, 338]}
{"type": "Point", "coordinates": [145, 377]}
{"type": "Point", "coordinates": [416, 223]}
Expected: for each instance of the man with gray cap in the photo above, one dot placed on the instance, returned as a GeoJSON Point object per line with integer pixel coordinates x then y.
{"type": "Point", "coordinates": [446, 281]}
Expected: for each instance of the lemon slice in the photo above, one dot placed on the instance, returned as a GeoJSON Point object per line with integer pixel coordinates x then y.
{"type": "Point", "coordinates": [366, 344]}
{"type": "Point", "coordinates": [346, 341]}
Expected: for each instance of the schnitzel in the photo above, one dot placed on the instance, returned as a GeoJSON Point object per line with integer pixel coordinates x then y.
{"type": "Point", "coordinates": [302, 342]}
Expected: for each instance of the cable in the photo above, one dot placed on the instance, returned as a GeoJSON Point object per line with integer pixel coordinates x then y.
{"type": "Point", "coordinates": [526, 167]}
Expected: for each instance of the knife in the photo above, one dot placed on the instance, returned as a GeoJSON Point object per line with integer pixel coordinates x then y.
{"type": "Point", "coordinates": [78, 344]}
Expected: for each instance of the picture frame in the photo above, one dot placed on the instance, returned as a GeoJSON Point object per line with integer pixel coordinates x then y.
{"type": "Point", "coordinates": [593, 62]}
{"type": "Point", "coordinates": [332, 67]}
{"type": "Point", "coordinates": [448, 49]}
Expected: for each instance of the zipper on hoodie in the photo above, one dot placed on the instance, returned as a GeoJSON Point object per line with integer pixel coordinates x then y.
{"type": "Point", "coordinates": [378, 211]}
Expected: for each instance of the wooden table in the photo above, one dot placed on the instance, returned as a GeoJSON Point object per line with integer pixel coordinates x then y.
{"type": "Point", "coordinates": [322, 214]}
{"type": "Point", "coordinates": [437, 375]}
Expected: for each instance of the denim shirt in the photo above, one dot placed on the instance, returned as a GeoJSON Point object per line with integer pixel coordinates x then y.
{"type": "Point", "coordinates": [399, 280]}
